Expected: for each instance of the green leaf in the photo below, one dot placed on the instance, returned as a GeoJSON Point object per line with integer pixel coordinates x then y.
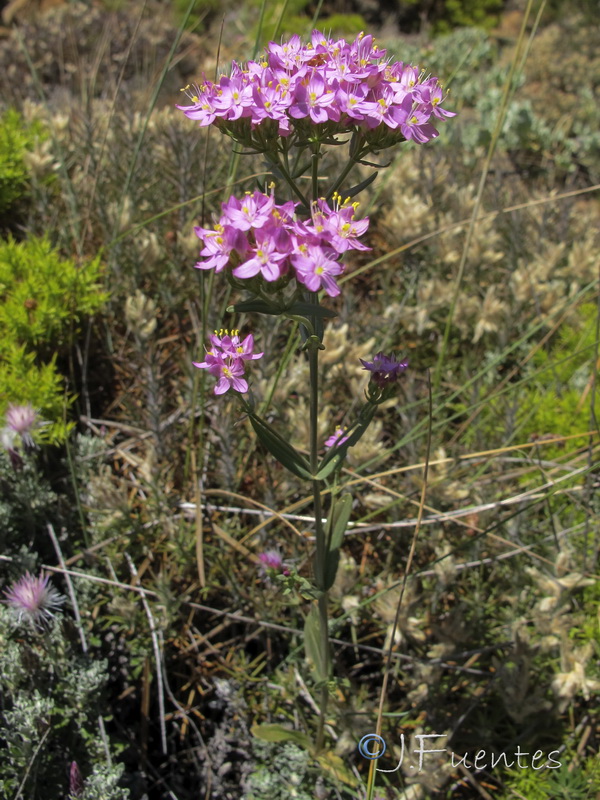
{"type": "Point", "coordinates": [283, 451]}
{"type": "Point", "coordinates": [331, 464]}
{"type": "Point", "coordinates": [313, 646]}
{"type": "Point", "coordinates": [336, 527]}
{"type": "Point", "coordinates": [277, 733]}
{"type": "Point", "coordinates": [304, 309]}
{"type": "Point", "coordinates": [354, 190]}
{"type": "Point", "coordinates": [256, 305]}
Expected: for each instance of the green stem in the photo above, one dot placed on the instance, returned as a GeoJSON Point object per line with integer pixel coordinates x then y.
{"type": "Point", "coordinates": [288, 178]}
{"type": "Point", "coordinates": [352, 162]}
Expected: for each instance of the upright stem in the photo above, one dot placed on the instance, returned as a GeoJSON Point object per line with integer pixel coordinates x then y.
{"type": "Point", "coordinates": [321, 545]}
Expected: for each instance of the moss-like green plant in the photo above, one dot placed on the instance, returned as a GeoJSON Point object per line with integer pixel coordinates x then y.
{"type": "Point", "coordinates": [43, 301]}
{"type": "Point", "coordinates": [15, 139]}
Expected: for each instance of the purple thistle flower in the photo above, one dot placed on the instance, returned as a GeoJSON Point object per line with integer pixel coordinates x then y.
{"type": "Point", "coordinates": [33, 599]}
{"type": "Point", "coordinates": [384, 369]}
{"type": "Point", "coordinates": [337, 438]}
{"type": "Point", "coordinates": [21, 420]}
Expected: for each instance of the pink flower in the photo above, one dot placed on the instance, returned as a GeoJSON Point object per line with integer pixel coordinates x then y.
{"type": "Point", "coordinates": [266, 259]}
{"type": "Point", "coordinates": [337, 438]}
{"type": "Point", "coordinates": [33, 600]}
{"type": "Point", "coordinates": [316, 270]}
{"type": "Point", "coordinates": [254, 211]}
{"type": "Point", "coordinates": [21, 418]}
{"type": "Point", "coordinates": [232, 346]}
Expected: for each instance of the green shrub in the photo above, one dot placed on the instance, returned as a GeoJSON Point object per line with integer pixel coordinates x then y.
{"type": "Point", "coordinates": [560, 403]}
{"type": "Point", "coordinates": [15, 139]}
{"type": "Point", "coordinates": [43, 301]}
{"type": "Point", "coordinates": [51, 702]}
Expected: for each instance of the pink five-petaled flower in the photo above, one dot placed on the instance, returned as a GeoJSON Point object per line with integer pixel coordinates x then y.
{"type": "Point", "coordinates": [228, 370]}
{"type": "Point", "coordinates": [384, 369]}
{"type": "Point", "coordinates": [337, 438]}
{"type": "Point", "coordinates": [266, 258]}
{"type": "Point", "coordinates": [232, 346]}
{"type": "Point", "coordinates": [314, 100]}
{"type": "Point", "coordinates": [33, 600]}
{"type": "Point", "coordinates": [316, 270]}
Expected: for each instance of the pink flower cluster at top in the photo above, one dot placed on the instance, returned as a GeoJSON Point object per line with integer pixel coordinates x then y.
{"type": "Point", "coordinates": [225, 360]}
{"type": "Point", "coordinates": [263, 238]}
{"type": "Point", "coordinates": [327, 80]}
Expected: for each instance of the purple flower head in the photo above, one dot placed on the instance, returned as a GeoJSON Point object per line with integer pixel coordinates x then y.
{"type": "Point", "coordinates": [385, 370]}
{"type": "Point", "coordinates": [337, 438]}
{"type": "Point", "coordinates": [33, 600]}
{"type": "Point", "coordinates": [271, 559]}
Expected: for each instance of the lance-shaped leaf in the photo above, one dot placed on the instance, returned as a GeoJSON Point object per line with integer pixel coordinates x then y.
{"type": "Point", "coordinates": [336, 527]}
{"type": "Point", "coordinates": [313, 645]}
{"type": "Point", "coordinates": [283, 451]}
{"type": "Point", "coordinates": [304, 309]}
{"type": "Point", "coordinates": [256, 305]}
{"type": "Point", "coordinates": [354, 190]}
{"type": "Point", "coordinates": [277, 733]}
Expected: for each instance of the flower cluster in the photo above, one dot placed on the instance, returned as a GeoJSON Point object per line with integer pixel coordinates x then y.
{"type": "Point", "coordinates": [225, 360]}
{"type": "Point", "coordinates": [348, 85]}
{"type": "Point", "coordinates": [33, 600]}
{"type": "Point", "coordinates": [262, 238]}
